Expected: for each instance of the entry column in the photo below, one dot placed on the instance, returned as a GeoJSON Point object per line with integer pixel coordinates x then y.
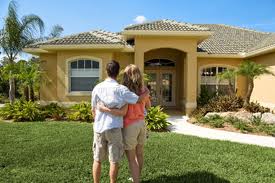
{"type": "Point", "coordinates": [190, 71]}
{"type": "Point", "coordinates": [139, 60]}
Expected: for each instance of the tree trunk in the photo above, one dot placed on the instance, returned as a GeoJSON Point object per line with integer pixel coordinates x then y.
{"type": "Point", "coordinates": [26, 93]}
{"type": "Point", "coordinates": [231, 89]}
{"type": "Point", "coordinates": [31, 90]}
{"type": "Point", "coordinates": [12, 90]}
{"type": "Point", "coordinates": [249, 91]}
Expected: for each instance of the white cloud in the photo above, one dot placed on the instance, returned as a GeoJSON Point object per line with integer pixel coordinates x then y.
{"type": "Point", "coordinates": [140, 19]}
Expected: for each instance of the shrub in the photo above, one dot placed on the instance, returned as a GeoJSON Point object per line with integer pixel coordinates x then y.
{"type": "Point", "coordinates": [156, 119]}
{"type": "Point", "coordinates": [256, 120]}
{"type": "Point", "coordinates": [26, 111]}
{"type": "Point", "coordinates": [214, 121]}
{"type": "Point", "coordinates": [267, 128]}
{"type": "Point", "coordinates": [225, 103]}
{"type": "Point", "coordinates": [256, 107]}
{"type": "Point", "coordinates": [7, 111]}
{"type": "Point", "coordinates": [53, 111]}
{"type": "Point", "coordinates": [242, 126]}
{"type": "Point", "coordinates": [220, 104]}
{"type": "Point", "coordinates": [81, 112]}
{"type": "Point", "coordinates": [205, 96]}
{"type": "Point", "coordinates": [239, 124]}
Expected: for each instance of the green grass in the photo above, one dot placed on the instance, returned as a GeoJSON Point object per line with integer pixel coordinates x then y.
{"type": "Point", "coordinates": [61, 152]}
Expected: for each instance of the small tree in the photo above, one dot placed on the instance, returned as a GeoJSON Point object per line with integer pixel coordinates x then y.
{"type": "Point", "coordinates": [251, 71]}
{"type": "Point", "coordinates": [30, 76]}
{"type": "Point", "coordinates": [15, 35]}
{"type": "Point", "coordinates": [229, 75]}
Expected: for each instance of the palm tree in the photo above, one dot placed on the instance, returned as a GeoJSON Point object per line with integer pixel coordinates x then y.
{"type": "Point", "coordinates": [229, 75]}
{"type": "Point", "coordinates": [29, 76]}
{"type": "Point", "coordinates": [15, 35]}
{"type": "Point", "coordinates": [251, 71]}
{"type": "Point", "coordinates": [56, 32]}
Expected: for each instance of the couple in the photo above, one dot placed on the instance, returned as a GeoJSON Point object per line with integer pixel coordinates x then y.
{"type": "Point", "coordinates": [119, 121]}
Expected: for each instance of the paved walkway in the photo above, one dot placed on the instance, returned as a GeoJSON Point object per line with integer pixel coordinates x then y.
{"type": "Point", "coordinates": [180, 125]}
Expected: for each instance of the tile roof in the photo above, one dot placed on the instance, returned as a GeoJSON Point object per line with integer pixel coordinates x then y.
{"type": "Point", "coordinates": [95, 37]}
{"type": "Point", "coordinates": [166, 25]}
{"type": "Point", "coordinates": [224, 40]}
{"type": "Point", "coordinates": [268, 41]}
{"type": "Point", "coordinates": [230, 40]}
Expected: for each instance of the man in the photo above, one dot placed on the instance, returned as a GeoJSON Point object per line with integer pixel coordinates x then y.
{"type": "Point", "coordinates": [107, 127]}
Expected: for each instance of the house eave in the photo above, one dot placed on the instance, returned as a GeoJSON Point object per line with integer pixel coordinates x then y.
{"type": "Point", "coordinates": [79, 47]}
{"type": "Point", "coordinates": [261, 51]}
{"type": "Point", "coordinates": [35, 51]}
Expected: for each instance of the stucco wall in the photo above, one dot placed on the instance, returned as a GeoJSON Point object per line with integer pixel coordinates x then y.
{"type": "Point", "coordinates": [205, 62]}
{"type": "Point", "coordinates": [124, 58]}
{"type": "Point", "coordinates": [264, 90]}
{"type": "Point", "coordinates": [56, 67]}
{"type": "Point", "coordinates": [48, 86]}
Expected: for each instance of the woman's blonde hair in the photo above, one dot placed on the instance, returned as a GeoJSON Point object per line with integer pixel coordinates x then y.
{"type": "Point", "coordinates": [133, 79]}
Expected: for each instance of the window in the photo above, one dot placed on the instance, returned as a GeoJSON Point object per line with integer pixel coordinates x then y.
{"type": "Point", "coordinates": [211, 83]}
{"type": "Point", "coordinates": [84, 75]}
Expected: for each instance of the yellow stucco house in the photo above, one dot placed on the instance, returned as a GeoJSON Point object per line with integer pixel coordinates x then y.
{"type": "Point", "coordinates": [179, 58]}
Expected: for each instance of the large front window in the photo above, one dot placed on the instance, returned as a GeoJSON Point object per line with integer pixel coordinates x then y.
{"type": "Point", "coordinates": [212, 83]}
{"type": "Point", "coordinates": [84, 74]}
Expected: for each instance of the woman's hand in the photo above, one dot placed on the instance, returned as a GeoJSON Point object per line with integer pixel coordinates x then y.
{"type": "Point", "coordinates": [102, 108]}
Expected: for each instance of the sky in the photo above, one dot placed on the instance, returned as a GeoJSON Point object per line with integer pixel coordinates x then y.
{"type": "Point", "coordinates": [113, 15]}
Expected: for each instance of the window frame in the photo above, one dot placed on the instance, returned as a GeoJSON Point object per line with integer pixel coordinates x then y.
{"type": "Point", "coordinates": [68, 91]}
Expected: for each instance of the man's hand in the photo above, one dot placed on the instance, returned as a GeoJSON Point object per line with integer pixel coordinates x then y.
{"type": "Point", "coordinates": [144, 96]}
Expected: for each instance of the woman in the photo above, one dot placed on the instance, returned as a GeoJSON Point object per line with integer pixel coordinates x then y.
{"type": "Point", "coordinates": [134, 131]}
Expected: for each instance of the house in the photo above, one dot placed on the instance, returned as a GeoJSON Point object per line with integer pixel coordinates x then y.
{"type": "Point", "coordinates": [179, 57]}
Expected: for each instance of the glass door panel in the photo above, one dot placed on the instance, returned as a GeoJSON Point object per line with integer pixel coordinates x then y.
{"type": "Point", "coordinates": [153, 87]}
{"type": "Point", "coordinates": [168, 88]}
{"type": "Point", "coordinates": [162, 87]}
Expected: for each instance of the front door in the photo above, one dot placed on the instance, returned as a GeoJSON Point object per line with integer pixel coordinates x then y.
{"type": "Point", "coordinates": [162, 87]}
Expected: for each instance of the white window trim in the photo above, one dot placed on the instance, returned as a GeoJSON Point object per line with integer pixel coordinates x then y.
{"type": "Point", "coordinates": [213, 65]}
{"type": "Point", "coordinates": [68, 71]}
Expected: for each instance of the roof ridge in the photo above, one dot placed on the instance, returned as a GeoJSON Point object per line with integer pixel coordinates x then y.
{"type": "Point", "coordinates": [144, 23]}
{"type": "Point", "coordinates": [185, 23]}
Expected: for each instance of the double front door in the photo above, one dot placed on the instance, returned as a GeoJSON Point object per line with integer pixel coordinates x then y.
{"type": "Point", "coordinates": [162, 86]}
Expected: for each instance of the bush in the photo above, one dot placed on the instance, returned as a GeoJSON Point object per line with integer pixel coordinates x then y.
{"type": "Point", "coordinates": [220, 104]}
{"type": "Point", "coordinates": [256, 107]}
{"type": "Point", "coordinates": [81, 112]}
{"type": "Point", "coordinates": [156, 119]}
{"type": "Point", "coordinates": [225, 103]}
{"type": "Point", "coordinates": [22, 110]}
{"type": "Point", "coordinates": [4, 98]}
{"type": "Point", "coordinates": [7, 111]}
{"type": "Point", "coordinates": [205, 96]}
{"type": "Point", "coordinates": [214, 121]}
{"type": "Point", "coordinates": [53, 111]}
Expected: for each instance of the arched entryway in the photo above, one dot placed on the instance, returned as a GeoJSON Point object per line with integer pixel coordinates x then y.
{"type": "Point", "coordinates": [164, 66]}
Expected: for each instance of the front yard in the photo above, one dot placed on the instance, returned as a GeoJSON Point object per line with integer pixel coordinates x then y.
{"type": "Point", "coordinates": [61, 152]}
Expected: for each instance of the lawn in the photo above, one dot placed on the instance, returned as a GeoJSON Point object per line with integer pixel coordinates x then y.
{"type": "Point", "coordinates": [61, 152]}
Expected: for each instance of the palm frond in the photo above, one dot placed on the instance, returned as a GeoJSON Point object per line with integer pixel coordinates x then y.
{"type": "Point", "coordinates": [56, 31]}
